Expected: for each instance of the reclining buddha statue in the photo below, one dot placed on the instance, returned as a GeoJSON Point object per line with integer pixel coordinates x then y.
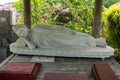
{"type": "Point", "coordinates": [54, 40]}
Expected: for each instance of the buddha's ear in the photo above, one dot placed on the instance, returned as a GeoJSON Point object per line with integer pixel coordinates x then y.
{"type": "Point", "coordinates": [14, 28]}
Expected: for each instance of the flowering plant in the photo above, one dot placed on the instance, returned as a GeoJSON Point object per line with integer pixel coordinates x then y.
{"type": "Point", "coordinates": [61, 15]}
{"type": "Point", "coordinates": [74, 14]}
{"type": "Point", "coordinates": [57, 13]}
{"type": "Point", "coordinates": [9, 7]}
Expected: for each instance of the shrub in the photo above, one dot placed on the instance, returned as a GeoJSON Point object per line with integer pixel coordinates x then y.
{"type": "Point", "coordinates": [114, 25]}
{"type": "Point", "coordinates": [74, 14]}
{"type": "Point", "coordinates": [117, 55]}
{"type": "Point", "coordinates": [111, 27]}
{"type": "Point", "coordinates": [108, 3]}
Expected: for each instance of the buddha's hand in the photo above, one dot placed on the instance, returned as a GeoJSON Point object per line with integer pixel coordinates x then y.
{"type": "Point", "coordinates": [29, 44]}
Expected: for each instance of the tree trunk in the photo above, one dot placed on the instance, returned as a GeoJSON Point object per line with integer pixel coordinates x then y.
{"type": "Point", "coordinates": [27, 13]}
{"type": "Point", "coordinates": [97, 18]}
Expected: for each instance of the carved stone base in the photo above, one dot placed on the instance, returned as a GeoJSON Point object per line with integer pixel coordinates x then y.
{"type": "Point", "coordinates": [80, 52]}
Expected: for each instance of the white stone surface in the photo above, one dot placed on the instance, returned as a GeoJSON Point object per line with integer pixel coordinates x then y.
{"type": "Point", "coordinates": [42, 59]}
{"type": "Point", "coordinates": [77, 52]}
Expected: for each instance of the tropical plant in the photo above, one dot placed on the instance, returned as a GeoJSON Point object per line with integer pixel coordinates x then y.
{"type": "Point", "coordinates": [75, 14]}
{"type": "Point", "coordinates": [19, 8]}
{"type": "Point", "coordinates": [9, 7]}
{"type": "Point", "coordinates": [114, 24]}
{"type": "Point", "coordinates": [111, 27]}
{"type": "Point", "coordinates": [108, 3]}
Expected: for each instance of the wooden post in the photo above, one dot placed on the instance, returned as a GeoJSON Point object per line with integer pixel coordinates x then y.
{"type": "Point", "coordinates": [27, 13]}
{"type": "Point", "coordinates": [97, 18]}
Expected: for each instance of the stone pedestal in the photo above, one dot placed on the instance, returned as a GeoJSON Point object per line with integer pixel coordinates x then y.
{"type": "Point", "coordinates": [4, 49]}
{"type": "Point", "coordinates": [7, 19]}
{"type": "Point", "coordinates": [3, 53]}
{"type": "Point", "coordinates": [5, 25]}
{"type": "Point", "coordinates": [66, 76]}
{"type": "Point", "coordinates": [20, 71]}
{"type": "Point", "coordinates": [6, 22]}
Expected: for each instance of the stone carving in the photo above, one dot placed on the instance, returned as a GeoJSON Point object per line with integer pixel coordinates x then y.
{"type": "Point", "coordinates": [5, 26]}
{"type": "Point", "coordinates": [53, 36]}
{"type": "Point", "coordinates": [54, 40]}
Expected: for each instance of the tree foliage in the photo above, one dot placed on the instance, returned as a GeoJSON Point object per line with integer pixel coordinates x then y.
{"type": "Point", "coordinates": [111, 16]}
{"type": "Point", "coordinates": [114, 24]}
{"type": "Point", "coordinates": [108, 3]}
{"type": "Point", "coordinates": [79, 16]}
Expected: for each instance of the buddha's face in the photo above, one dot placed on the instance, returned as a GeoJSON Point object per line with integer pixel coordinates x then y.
{"type": "Point", "coordinates": [20, 30]}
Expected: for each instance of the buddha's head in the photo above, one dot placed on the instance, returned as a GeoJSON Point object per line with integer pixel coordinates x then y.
{"type": "Point", "coordinates": [20, 30]}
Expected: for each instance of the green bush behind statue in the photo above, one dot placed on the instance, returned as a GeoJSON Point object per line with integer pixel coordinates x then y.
{"type": "Point", "coordinates": [114, 24]}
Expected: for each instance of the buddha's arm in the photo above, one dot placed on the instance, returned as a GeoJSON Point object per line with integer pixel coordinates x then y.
{"type": "Point", "coordinates": [29, 44]}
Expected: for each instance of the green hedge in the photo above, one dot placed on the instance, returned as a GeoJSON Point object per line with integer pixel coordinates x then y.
{"type": "Point", "coordinates": [114, 25]}
{"type": "Point", "coordinates": [111, 28]}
